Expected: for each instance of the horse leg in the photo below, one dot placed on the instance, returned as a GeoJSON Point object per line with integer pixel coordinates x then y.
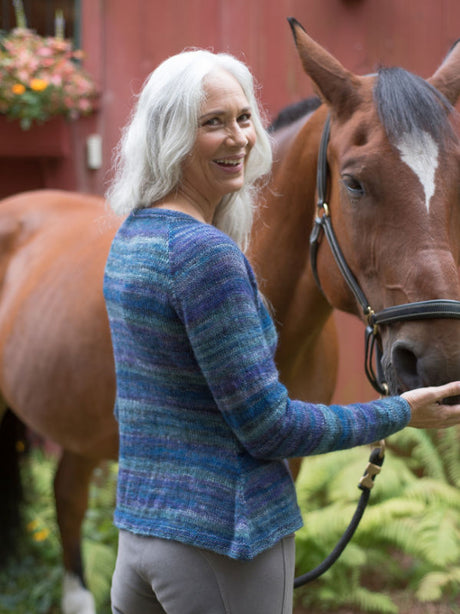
{"type": "Point", "coordinates": [71, 487]}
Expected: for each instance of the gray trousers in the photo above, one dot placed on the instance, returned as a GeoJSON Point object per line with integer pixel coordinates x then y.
{"type": "Point", "coordinates": [156, 576]}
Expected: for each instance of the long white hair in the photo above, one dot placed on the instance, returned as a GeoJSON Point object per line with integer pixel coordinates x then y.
{"type": "Point", "coordinates": [162, 131]}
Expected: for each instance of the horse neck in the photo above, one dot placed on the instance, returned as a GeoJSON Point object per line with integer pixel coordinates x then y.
{"type": "Point", "coordinates": [279, 248]}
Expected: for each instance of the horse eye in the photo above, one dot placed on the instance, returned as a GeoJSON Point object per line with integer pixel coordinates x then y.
{"type": "Point", "coordinates": [352, 184]}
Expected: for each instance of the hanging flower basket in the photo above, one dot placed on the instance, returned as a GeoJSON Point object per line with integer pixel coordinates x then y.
{"type": "Point", "coordinates": [42, 78]}
{"type": "Point", "coordinates": [49, 140]}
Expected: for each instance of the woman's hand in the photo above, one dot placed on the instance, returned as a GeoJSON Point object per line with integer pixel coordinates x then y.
{"type": "Point", "coordinates": [428, 409]}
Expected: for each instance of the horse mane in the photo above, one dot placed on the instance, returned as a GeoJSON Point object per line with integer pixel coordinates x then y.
{"type": "Point", "coordinates": [293, 112]}
{"type": "Point", "coordinates": [407, 103]}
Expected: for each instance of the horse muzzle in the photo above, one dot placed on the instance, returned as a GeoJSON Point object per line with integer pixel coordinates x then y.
{"type": "Point", "coordinates": [419, 354]}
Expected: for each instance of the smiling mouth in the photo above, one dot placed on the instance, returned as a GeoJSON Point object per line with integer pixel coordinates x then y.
{"type": "Point", "coordinates": [229, 162]}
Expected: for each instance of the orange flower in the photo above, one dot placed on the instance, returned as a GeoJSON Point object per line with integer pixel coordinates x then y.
{"type": "Point", "coordinates": [40, 536]}
{"type": "Point", "coordinates": [38, 85]}
{"type": "Point", "coordinates": [18, 89]}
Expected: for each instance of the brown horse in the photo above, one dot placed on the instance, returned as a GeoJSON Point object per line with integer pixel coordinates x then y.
{"type": "Point", "coordinates": [394, 177]}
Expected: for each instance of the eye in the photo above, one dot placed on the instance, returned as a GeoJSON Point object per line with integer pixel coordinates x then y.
{"type": "Point", "coordinates": [353, 185]}
{"type": "Point", "coordinates": [212, 122]}
{"type": "Point", "coordinates": [244, 118]}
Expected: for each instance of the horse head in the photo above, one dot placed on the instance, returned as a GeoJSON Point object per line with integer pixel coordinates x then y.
{"type": "Point", "coordinates": [393, 199]}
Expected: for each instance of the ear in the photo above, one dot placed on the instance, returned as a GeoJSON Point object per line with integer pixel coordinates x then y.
{"type": "Point", "coordinates": [336, 86]}
{"type": "Point", "coordinates": [447, 78]}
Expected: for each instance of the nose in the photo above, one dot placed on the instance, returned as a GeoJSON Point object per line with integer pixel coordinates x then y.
{"type": "Point", "coordinates": [414, 372]}
{"type": "Point", "coordinates": [416, 364]}
{"type": "Point", "coordinates": [236, 135]}
{"type": "Point", "coordinates": [406, 365]}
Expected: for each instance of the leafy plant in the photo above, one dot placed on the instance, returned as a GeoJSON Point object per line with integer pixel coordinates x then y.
{"type": "Point", "coordinates": [410, 534]}
{"type": "Point", "coordinates": [32, 582]}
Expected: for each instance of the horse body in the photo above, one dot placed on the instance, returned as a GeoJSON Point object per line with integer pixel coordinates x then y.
{"type": "Point", "coordinates": [397, 219]}
{"type": "Point", "coordinates": [53, 326]}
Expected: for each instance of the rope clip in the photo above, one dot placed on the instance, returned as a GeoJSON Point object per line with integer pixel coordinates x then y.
{"type": "Point", "coordinates": [374, 466]}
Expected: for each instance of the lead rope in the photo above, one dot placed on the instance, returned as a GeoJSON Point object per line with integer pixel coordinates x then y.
{"type": "Point", "coordinates": [366, 484]}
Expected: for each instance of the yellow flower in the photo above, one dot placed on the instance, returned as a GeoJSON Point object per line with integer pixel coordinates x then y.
{"type": "Point", "coordinates": [38, 85]}
{"type": "Point", "coordinates": [32, 525]}
{"type": "Point", "coordinates": [40, 536]}
{"type": "Point", "coordinates": [18, 89]}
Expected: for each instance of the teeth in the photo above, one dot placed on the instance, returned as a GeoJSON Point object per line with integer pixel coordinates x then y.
{"type": "Point", "coordinates": [229, 162]}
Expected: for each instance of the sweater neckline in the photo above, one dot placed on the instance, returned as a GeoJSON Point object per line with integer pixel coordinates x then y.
{"type": "Point", "coordinates": [170, 213]}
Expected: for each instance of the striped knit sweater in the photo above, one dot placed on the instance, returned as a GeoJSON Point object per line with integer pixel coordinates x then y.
{"type": "Point", "coordinates": [204, 421]}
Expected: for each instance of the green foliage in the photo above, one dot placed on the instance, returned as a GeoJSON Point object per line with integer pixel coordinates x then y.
{"type": "Point", "coordinates": [408, 540]}
{"type": "Point", "coordinates": [31, 583]}
{"type": "Point", "coordinates": [410, 534]}
{"type": "Point", "coordinates": [100, 536]}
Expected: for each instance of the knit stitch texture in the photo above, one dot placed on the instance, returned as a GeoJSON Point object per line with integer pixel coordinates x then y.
{"type": "Point", "coordinates": [204, 421]}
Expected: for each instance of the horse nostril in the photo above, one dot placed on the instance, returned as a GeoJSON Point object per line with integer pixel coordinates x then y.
{"type": "Point", "coordinates": [405, 364]}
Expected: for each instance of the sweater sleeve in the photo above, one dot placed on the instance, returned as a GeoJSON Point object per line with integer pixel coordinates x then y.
{"type": "Point", "coordinates": [216, 299]}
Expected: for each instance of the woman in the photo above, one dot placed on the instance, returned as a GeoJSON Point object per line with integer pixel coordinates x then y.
{"type": "Point", "coordinates": [206, 506]}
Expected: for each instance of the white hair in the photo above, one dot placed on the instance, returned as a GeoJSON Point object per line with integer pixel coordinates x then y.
{"type": "Point", "coordinates": [162, 131]}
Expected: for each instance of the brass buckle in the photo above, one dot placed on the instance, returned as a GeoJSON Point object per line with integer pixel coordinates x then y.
{"type": "Point", "coordinates": [372, 469]}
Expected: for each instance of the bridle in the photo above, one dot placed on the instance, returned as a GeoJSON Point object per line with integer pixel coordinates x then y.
{"type": "Point", "coordinates": [421, 310]}
{"type": "Point", "coordinates": [433, 309]}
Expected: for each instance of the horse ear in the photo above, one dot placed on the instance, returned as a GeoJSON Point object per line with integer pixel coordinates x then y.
{"type": "Point", "coordinates": [447, 78]}
{"type": "Point", "coordinates": [336, 86]}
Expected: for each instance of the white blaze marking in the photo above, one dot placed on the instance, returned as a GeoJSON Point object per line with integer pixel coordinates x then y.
{"type": "Point", "coordinates": [420, 153]}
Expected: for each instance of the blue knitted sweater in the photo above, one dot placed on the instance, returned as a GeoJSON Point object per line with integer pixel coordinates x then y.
{"type": "Point", "coordinates": [204, 421]}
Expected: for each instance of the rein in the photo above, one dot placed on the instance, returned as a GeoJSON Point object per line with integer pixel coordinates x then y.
{"type": "Point", "coordinates": [422, 310]}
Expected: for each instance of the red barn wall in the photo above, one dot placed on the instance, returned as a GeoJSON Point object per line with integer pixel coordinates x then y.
{"type": "Point", "coordinates": [124, 42]}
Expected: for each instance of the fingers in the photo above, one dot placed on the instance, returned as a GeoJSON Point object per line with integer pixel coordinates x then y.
{"type": "Point", "coordinates": [428, 409]}
{"type": "Point", "coordinates": [447, 390]}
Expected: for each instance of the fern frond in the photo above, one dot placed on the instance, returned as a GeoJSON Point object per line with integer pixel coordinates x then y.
{"type": "Point", "coordinates": [382, 514]}
{"type": "Point", "coordinates": [423, 453]}
{"type": "Point", "coordinates": [434, 537]}
{"type": "Point", "coordinates": [318, 472]}
{"type": "Point", "coordinates": [369, 601]}
{"type": "Point", "coordinates": [434, 585]}
{"type": "Point", "coordinates": [400, 534]}
{"type": "Point", "coordinates": [325, 526]}
{"type": "Point", "coordinates": [433, 492]}
{"type": "Point", "coordinates": [448, 441]}
{"type": "Point", "coordinates": [431, 537]}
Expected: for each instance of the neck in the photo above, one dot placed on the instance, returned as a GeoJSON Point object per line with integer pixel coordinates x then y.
{"type": "Point", "coordinates": [189, 202]}
{"type": "Point", "coordinates": [279, 247]}
{"type": "Point", "coordinates": [279, 253]}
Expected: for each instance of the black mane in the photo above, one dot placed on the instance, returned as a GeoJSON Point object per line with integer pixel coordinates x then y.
{"type": "Point", "coordinates": [407, 103]}
{"type": "Point", "coordinates": [293, 112]}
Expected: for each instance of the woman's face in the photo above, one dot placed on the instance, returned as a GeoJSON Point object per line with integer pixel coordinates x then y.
{"type": "Point", "coordinates": [225, 136]}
